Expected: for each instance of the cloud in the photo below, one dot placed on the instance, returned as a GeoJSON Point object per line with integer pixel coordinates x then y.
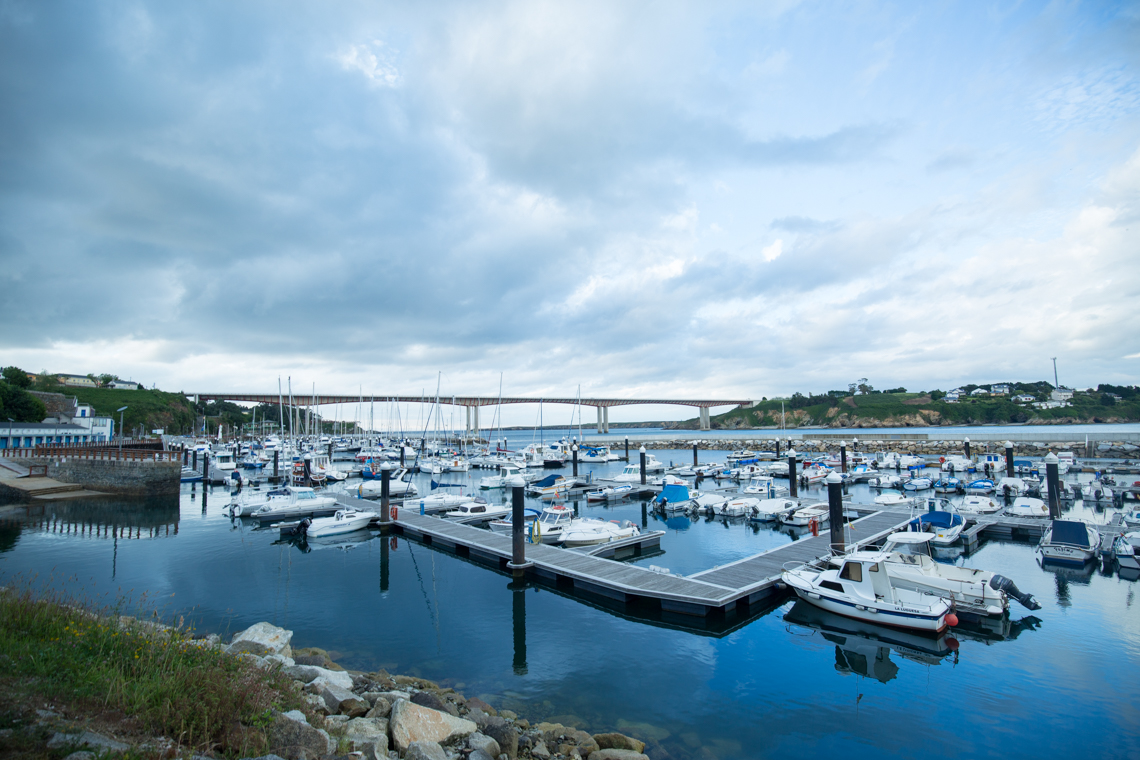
{"type": "Point", "coordinates": [772, 252]}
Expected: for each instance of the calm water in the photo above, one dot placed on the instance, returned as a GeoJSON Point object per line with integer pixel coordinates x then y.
{"type": "Point", "coordinates": [775, 682]}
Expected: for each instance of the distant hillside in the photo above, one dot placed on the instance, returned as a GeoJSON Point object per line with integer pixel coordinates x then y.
{"type": "Point", "coordinates": [920, 410]}
{"type": "Point", "coordinates": [150, 409]}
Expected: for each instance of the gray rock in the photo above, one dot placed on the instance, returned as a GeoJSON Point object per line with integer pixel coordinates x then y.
{"type": "Point", "coordinates": [476, 702]}
{"type": "Point", "coordinates": [480, 755]}
{"type": "Point", "coordinates": [86, 739]}
{"type": "Point", "coordinates": [540, 751]}
{"type": "Point", "coordinates": [284, 662]}
{"type": "Point", "coordinates": [263, 757]}
{"type": "Point", "coordinates": [425, 751]}
{"type": "Point", "coordinates": [337, 721]}
{"type": "Point", "coordinates": [392, 696]}
{"type": "Point", "coordinates": [262, 639]}
{"type": "Point", "coordinates": [295, 739]}
{"type": "Point", "coordinates": [485, 743]}
{"type": "Point", "coordinates": [311, 674]}
{"type": "Point", "coordinates": [618, 741]}
{"type": "Point", "coordinates": [616, 754]}
{"type": "Point", "coordinates": [507, 737]}
{"type": "Point", "coordinates": [46, 714]}
{"type": "Point", "coordinates": [364, 730]}
{"type": "Point", "coordinates": [435, 702]}
{"type": "Point", "coordinates": [411, 723]}
{"type": "Point", "coordinates": [339, 700]}
{"type": "Point", "coordinates": [381, 707]}
{"type": "Point", "coordinates": [317, 703]}
{"type": "Point", "coordinates": [81, 755]}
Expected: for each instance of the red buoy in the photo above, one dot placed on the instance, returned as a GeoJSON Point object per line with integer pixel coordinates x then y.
{"type": "Point", "coordinates": [951, 620]}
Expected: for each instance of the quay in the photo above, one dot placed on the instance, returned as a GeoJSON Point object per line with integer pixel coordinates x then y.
{"type": "Point", "coordinates": [713, 591]}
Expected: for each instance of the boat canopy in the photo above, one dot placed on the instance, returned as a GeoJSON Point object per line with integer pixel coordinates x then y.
{"type": "Point", "coordinates": [938, 519]}
{"type": "Point", "coordinates": [1071, 532]}
{"type": "Point", "coordinates": [910, 538]}
{"type": "Point", "coordinates": [549, 480]}
{"type": "Point", "coordinates": [673, 493]}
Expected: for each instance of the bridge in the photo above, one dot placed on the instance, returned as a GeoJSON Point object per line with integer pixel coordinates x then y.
{"type": "Point", "coordinates": [472, 403]}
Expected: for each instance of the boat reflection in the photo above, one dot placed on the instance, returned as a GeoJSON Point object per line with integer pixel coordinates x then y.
{"type": "Point", "coordinates": [865, 649]}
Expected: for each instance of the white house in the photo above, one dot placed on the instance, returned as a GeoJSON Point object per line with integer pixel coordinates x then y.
{"type": "Point", "coordinates": [1061, 394]}
{"type": "Point", "coordinates": [81, 381]}
{"type": "Point", "coordinates": [1000, 389]}
{"type": "Point", "coordinates": [979, 392]}
{"type": "Point", "coordinates": [28, 434]}
{"type": "Point", "coordinates": [123, 385]}
{"type": "Point", "coordinates": [1024, 398]}
{"type": "Point", "coordinates": [952, 397]}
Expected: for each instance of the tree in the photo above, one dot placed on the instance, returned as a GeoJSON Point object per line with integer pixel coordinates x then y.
{"type": "Point", "coordinates": [106, 379]}
{"type": "Point", "coordinates": [1107, 400]}
{"type": "Point", "coordinates": [20, 405]}
{"type": "Point", "coordinates": [17, 377]}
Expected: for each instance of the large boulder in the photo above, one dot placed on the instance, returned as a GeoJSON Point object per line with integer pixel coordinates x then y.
{"type": "Point", "coordinates": [476, 703]}
{"type": "Point", "coordinates": [425, 751]}
{"type": "Point", "coordinates": [342, 701]}
{"type": "Point", "coordinates": [381, 708]}
{"type": "Point", "coordinates": [618, 741]}
{"type": "Point", "coordinates": [483, 742]}
{"type": "Point", "coordinates": [262, 639]}
{"type": "Point", "coordinates": [309, 673]}
{"type": "Point", "coordinates": [616, 754]}
{"type": "Point", "coordinates": [507, 737]}
{"type": "Point", "coordinates": [291, 737]}
{"type": "Point", "coordinates": [410, 722]}
{"type": "Point", "coordinates": [368, 735]}
{"type": "Point", "coordinates": [435, 702]}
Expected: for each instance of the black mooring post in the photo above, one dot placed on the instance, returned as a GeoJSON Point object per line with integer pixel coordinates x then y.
{"type": "Point", "coordinates": [967, 446]}
{"type": "Point", "coordinates": [330, 451]}
{"type": "Point", "coordinates": [835, 512]}
{"type": "Point", "coordinates": [276, 466]}
{"type": "Point", "coordinates": [642, 452]}
{"type": "Point", "coordinates": [627, 448]}
{"type": "Point", "coordinates": [694, 455]}
{"type": "Point", "coordinates": [402, 455]}
{"type": "Point", "coordinates": [1053, 480]}
{"type": "Point", "coordinates": [195, 465]}
{"type": "Point", "coordinates": [1009, 459]}
{"type": "Point", "coordinates": [843, 455]}
{"type": "Point", "coordinates": [574, 450]}
{"type": "Point", "coordinates": [777, 448]}
{"type": "Point", "coordinates": [792, 483]}
{"type": "Point", "coordinates": [185, 457]}
{"type": "Point", "coordinates": [518, 529]}
{"type": "Point", "coordinates": [205, 469]}
{"type": "Point", "coordinates": [385, 498]}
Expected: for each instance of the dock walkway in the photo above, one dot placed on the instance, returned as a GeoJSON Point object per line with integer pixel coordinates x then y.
{"type": "Point", "coordinates": [749, 580]}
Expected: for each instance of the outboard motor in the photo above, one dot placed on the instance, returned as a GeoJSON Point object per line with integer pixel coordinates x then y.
{"type": "Point", "coordinates": [1001, 583]}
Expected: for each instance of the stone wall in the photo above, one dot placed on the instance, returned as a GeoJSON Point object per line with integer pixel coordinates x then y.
{"type": "Point", "coordinates": [134, 478]}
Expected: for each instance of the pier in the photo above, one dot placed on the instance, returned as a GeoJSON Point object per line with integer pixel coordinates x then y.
{"type": "Point", "coordinates": [709, 592]}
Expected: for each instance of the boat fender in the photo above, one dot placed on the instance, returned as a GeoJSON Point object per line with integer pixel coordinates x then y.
{"type": "Point", "coordinates": [395, 512]}
{"type": "Point", "coordinates": [951, 619]}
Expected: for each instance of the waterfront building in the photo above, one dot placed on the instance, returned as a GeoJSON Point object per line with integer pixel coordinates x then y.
{"type": "Point", "coordinates": [78, 381]}
{"type": "Point", "coordinates": [1061, 394]}
{"type": "Point", "coordinates": [24, 435]}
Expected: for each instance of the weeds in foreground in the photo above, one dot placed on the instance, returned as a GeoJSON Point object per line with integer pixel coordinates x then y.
{"type": "Point", "coordinates": [170, 683]}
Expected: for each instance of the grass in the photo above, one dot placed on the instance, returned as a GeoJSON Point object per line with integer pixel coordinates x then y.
{"type": "Point", "coordinates": [169, 683]}
{"type": "Point", "coordinates": [149, 408]}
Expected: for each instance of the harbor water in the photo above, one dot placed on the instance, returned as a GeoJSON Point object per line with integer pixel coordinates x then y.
{"type": "Point", "coordinates": [775, 681]}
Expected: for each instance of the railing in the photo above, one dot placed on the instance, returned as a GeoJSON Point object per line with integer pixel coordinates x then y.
{"type": "Point", "coordinates": [148, 444]}
{"type": "Point", "coordinates": [37, 471]}
{"type": "Point", "coordinates": [107, 453]}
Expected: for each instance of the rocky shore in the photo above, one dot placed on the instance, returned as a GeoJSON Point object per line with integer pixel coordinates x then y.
{"type": "Point", "coordinates": [349, 714]}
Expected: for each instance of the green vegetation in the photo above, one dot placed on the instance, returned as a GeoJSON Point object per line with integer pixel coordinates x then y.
{"type": "Point", "coordinates": [898, 408]}
{"type": "Point", "coordinates": [170, 683]}
{"type": "Point", "coordinates": [15, 401]}
{"type": "Point", "coordinates": [146, 409]}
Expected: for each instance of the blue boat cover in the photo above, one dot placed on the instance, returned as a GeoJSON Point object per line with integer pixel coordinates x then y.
{"type": "Point", "coordinates": [435, 485]}
{"type": "Point", "coordinates": [673, 494]}
{"type": "Point", "coordinates": [938, 519]}
{"type": "Point", "coordinates": [549, 480]}
{"type": "Point", "coordinates": [1070, 532]}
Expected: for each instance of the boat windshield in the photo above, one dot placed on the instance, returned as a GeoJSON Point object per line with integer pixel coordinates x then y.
{"type": "Point", "coordinates": [306, 495]}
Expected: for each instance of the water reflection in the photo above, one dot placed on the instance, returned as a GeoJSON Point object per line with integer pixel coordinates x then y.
{"type": "Point", "coordinates": [518, 589]}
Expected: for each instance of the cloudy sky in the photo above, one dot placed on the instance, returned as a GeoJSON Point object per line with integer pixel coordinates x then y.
{"type": "Point", "coordinates": [643, 199]}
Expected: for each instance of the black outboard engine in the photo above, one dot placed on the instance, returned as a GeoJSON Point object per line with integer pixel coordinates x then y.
{"type": "Point", "coordinates": [1001, 583]}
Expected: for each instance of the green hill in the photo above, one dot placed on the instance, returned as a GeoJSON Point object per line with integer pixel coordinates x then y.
{"type": "Point", "coordinates": [150, 409]}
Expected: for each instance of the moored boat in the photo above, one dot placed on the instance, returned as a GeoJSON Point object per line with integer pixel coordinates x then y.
{"type": "Point", "coordinates": [1069, 542]}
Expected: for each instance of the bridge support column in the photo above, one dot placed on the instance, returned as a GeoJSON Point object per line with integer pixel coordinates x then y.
{"type": "Point", "coordinates": [474, 421]}
{"type": "Point", "coordinates": [601, 424]}
{"type": "Point", "coordinates": [606, 418]}
{"type": "Point", "coordinates": [706, 422]}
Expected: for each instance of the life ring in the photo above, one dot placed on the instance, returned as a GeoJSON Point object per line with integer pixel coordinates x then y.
{"type": "Point", "coordinates": [395, 512]}
{"type": "Point", "coordinates": [942, 459]}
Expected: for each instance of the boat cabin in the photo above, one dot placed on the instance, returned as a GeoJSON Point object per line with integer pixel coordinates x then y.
{"type": "Point", "coordinates": [861, 576]}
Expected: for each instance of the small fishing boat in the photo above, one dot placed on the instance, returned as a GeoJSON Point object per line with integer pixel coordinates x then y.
{"type": "Point", "coordinates": [505, 526]}
{"type": "Point", "coordinates": [815, 474]}
{"type": "Point", "coordinates": [343, 521]}
{"type": "Point", "coordinates": [190, 475]}
{"type": "Point", "coordinates": [945, 524]}
{"type": "Point", "coordinates": [1125, 553]}
{"type": "Point", "coordinates": [919, 483]}
{"type": "Point", "coordinates": [477, 510]}
{"type": "Point", "coordinates": [893, 500]}
{"type": "Point", "coordinates": [610, 493]}
{"type": "Point", "coordinates": [1069, 542]}
{"type": "Point", "coordinates": [552, 486]}
{"type": "Point", "coordinates": [673, 498]}
{"type": "Point", "coordinates": [981, 486]}
{"type": "Point", "coordinates": [400, 486]}
{"type": "Point", "coordinates": [947, 485]}
{"type": "Point", "coordinates": [1010, 487]}
{"type": "Point", "coordinates": [977, 504]}
{"type": "Point", "coordinates": [859, 473]}
{"type": "Point", "coordinates": [738, 507]}
{"type": "Point", "coordinates": [247, 503]}
{"type": "Point", "coordinates": [773, 510]}
{"type": "Point", "coordinates": [765, 487]}
{"type": "Point", "coordinates": [806, 516]}
{"type": "Point", "coordinates": [885, 480]}
{"type": "Point", "coordinates": [1027, 506]}
{"type": "Point", "coordinates": [708, 503]}
{"type": "Point", "coordinates": [548, 528]}
{"type": "Point", "coordinates": [300, 502]}
{"type": "Point", "coordinates": [957, 463]}
{"type": "Point", "coordinates": [507, 473]}
{"type": "Point", "coordinates": [589, 531]}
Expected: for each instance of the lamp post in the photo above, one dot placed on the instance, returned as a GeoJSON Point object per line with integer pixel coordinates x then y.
{"type": "Point", "coordinates": [10, 421]}
{"type": "Point", "coordinates": [120, 410]}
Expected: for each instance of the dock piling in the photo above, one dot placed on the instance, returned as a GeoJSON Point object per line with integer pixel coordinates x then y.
{"type": "Point", "coordinates": [1009, 459]}
{"type": "Point", "coordinates": [843, 456]}
{"type": "Point", "coordinates": [642, 452]}
{"type": "Point", "coordinates": [518, 562]}
{"type": "Point", "coordinates": [694, 455]}
{"type": "Point", "coordinates": [966, 444]}
{"type": "Point", "coordinates": [385, 495]}
{"type": "Point", "coordinates": [276, 466]}
{"type": "Point", "coordinates": [627, 448]}
{"type": "Point", "coordinates": [793, 485]}
{"type": "Point", "coordinates": [835, 512]}
{"type": "Point", "coordinates": [574, 451]}
{"type": "Point", "coordinates": [1053, 480]}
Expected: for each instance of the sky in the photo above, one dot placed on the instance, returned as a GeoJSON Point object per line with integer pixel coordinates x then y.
{"type": "Point", "coordinates": [663, 200]}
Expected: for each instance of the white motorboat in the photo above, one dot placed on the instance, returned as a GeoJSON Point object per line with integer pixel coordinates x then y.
{"type": "Point", "coordinates": [1131, 517]}
{"type": "Point", "coordinates": [773, 510]}
{"type": "Point", "coordinates": [673, 498]}
{"type": "Point", "coordinates": [707, 503]}
{"type": "Point", "coordinates": [552, 486]}
{"type": "Point", "coordinates": [957, 463]}
{"type": "Point", "coordinates": [977, 504]}
{"type": "Point", "coordinates": [1008, 486]}
{"type": "Point", "coordinates": [588, 531]}
{"type": "Point", "coordinates": [507, 473]}
{"type": "Point", "coordinates": [593, 454]}
{"type": "Point", "coordinates": [885, 480]}
{"type": "Point", "coordinates": [550, 524]}
{"type": "Point", "coordinates": [439, 502]}
{"type": "Point", "coordinates": [652, 465]}
{"type": "Point", "coordinates": [920, 483]}
{"type": "Point", "coordinates": [815, 474]}
{"type": "Point", "coordinates": [859, 473]}
{"type": "Point", "coordinates": [505, 526]}
{"type": "Point", "coordinates": [765, 487]}
{"type": "Point", "coordinates": [861, 588]}
{"type": "Point", "coordinates": [805, 516]}
{"type": "Point", "coordinates": [948, 485]}
{"type": "Point", "coordinates": [1027, 506]}
{"type": "Point", "coordinates": [478, 509]}
{"type": "Point", "coordinates": [631, 473]}
{"type": "Point", "coordinates": [893, 500]}
{"type": "Point", "coordinates": [978, 592]}
{"type": "Point", "coordinates": [944, 524]}
{"type": "Point", "coordinates": [343, 521]}
{"type": "Point", "coordinates": [400, 486]}
{"type": "Point", "coordinates": [1125, 553]}
{"type": "Point", "coordinates": [778, 469]}
{"type": "Point", "coordinates": [299, 502]}
{"type": "Point", "coordinates": [1100, 492]}
{"type": "Point", "coordinates": [610, 493]}
{"type": "Point", "coordinates": [738, 507]}
{"type": "Point", "coordinates": [249, 502]}
{"type": "Point", "coordinates": [1069, 542]}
